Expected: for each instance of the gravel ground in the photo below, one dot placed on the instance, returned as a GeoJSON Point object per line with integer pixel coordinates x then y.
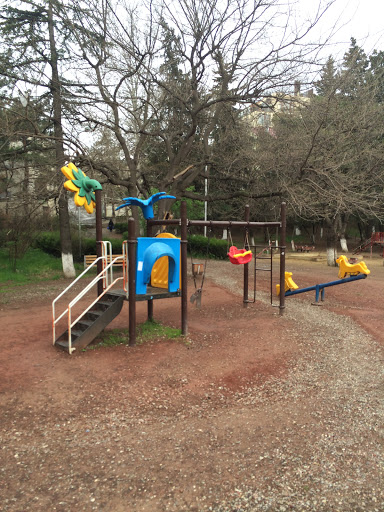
{"type": "Point", "coordinates": [306, 439]}
{"type": "Point", "coordinates": [338, 386]}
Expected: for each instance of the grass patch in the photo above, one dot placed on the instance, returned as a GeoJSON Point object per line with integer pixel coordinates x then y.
{"type": "Point", "coordinates": [150, 330]}
{"type": "Point", "coordinates": [33, 267]}
{"type": "Point", "coordinates": [146, 332]}
{"type": "Point", "coordinates": [111, 339]}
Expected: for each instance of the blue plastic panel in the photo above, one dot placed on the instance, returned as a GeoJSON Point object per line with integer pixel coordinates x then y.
{"type": "Point", "coordinates": [149, 250]}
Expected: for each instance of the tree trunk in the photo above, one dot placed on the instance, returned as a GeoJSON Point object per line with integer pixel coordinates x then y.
{"type": "Point", "coordinates": [331, 242]}
{"type": "Point", "coordinates": [65, 237]}
{"type": "Point", "coordinates": [343, 244]}
{"type": "Point", "coordinates": [343, 223]}
{"type": "Point", "coordinates": [26, 179]}
{"type": "Point", "coordinates": [65, 231]}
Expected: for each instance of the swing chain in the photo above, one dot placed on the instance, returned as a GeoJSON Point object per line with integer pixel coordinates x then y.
{"type": "Point", "coordinates": [229, 238]}
{"type": "Point", "coordinates": [246, 240]}
{"type": "Point", "coordinates": [196, 296]}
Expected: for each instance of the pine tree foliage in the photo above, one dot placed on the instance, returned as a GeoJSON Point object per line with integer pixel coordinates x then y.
{"type": "Point", "coordinates": [328, 158]}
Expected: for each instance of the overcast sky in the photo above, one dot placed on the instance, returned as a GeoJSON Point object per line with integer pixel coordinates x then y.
{"type": "Point", "coordinates": [361, 19]}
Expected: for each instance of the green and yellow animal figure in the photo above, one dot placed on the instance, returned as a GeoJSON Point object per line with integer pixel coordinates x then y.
{"type": "Point", "coordinates": [83, 186]}
{"type": "Point", "coordinates": [289, 284]}
{"type": "Point", "coordinates": [350, 269]}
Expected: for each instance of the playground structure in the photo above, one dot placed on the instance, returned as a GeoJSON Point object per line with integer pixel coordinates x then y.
{"type": "Point", "coordinates": [347, 273]}
{"type": "Point", "coordinates": [138, 282]}
{"type": "Point", "coordinates": [375, 239]}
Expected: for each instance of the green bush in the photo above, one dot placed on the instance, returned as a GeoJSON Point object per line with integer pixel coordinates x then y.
{"type": "Point", "coordinates": [89, 245]}
{"type": "Point", "coordinates": [120, 227]}
{"type": "Point", "coordinates": [200, 246]}
{"type": "Point", "coordinates": [49, 242]}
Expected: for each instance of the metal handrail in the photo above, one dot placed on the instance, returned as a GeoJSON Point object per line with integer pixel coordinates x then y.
{"type": "Point", "coordinates": [54, 321]}
{"type": "Point", "coordinates": [106, 250]}
{"type": "Point", "coordinates": [125, 267]}
{"type": "Point", "coordinates": [80, 295]}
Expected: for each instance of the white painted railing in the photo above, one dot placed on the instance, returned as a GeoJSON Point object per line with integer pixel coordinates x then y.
{"type": "Point", "coordinates": [106, 250]}
{"type": "Point", "coordinates": [125, 265]}
{"type": "Point", "coordinates": [106, 275]}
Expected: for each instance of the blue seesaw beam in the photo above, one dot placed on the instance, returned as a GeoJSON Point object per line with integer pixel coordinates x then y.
{"type": "Point", "coordinates": [320, 287]}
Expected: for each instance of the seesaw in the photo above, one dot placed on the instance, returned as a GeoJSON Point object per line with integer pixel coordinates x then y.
{"type": "Point", "coordinates": [347, 273]}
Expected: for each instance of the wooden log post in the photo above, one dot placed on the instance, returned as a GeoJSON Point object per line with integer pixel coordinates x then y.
{"type": "Point", "coordinates": [99, 238]}
{"type": "Point", "coordinates": [132, 242]}
{"type": "Point", "coordinates": [184, 260]}
{"type": "Point", "coordinates": [150, 301]}
{"type": "Point", "coordinates": [283, 218]}
{"type": "Point", "coordinates": [246, 266]}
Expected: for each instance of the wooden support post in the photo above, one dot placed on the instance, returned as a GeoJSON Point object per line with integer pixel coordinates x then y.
{"type": "Point", "coordinates": [99, 238]}
{"type": "Point", "coordinates": [246, 266]}
{"type": "Point", "coordinates": [150, 301]}
{"type": "Point", "coordinates": [282, 244]}
{"type": "Point", "coordinates": [184, 260]}
{"type": "Point", "coordinates": [132, 280]}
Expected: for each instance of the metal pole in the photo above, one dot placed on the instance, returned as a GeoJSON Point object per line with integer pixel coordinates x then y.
{"type": "Point", "coordinates": [132, 279]}
{"type": "Point", "coordinates": [215, 223]}
{"type": "Point", "coordinates": [283, 234]}
{"type": "Point", "coordinates": [246, 266]}
{"type": "Point", "coordinates": [184, 259]}
{"type": "Point", "coordinates": [99, 238]}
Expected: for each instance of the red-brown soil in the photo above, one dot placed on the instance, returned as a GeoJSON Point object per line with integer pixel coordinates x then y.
{"type": "Point", "coordinates": [158, 426]}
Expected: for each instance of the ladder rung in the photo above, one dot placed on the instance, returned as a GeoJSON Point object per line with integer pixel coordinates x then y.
{"type": "Point", "coordinates": [264, 269]}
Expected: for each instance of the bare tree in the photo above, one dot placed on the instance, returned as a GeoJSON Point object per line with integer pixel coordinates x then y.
{"type": "Point", "coordinates": [162, 76]}
{"type": "Point", "coordinates": [327, 158]}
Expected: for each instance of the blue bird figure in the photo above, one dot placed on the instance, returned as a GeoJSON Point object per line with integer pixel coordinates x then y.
{"type": "Point", "coordinates": [145, 204]}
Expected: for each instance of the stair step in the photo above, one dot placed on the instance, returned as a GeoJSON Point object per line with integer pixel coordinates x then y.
{"type": "Point", "coordinates": [93, 314]}
{"type": "Point", "coordinates": [86, 329]}
{"type": "Point", "coordinates": [62, 344]}
{"type": "Point", "coordinates": [85, 322]}
{"type": "Point", "coordinates": [104, 303]}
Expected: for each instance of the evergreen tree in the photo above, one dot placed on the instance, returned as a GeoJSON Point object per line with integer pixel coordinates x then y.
{"type": "Point", "coordinates": [329, 79]}
{"type": "Point", "coordinates": [376, 74]}
{"type": "Point", "coordinates": [354, 70]}
{"type": "Point", "coordinates": [39, 47]}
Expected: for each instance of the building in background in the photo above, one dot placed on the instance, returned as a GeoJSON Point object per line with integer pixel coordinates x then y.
{"type": "Point", "coordinates": [261, 115]}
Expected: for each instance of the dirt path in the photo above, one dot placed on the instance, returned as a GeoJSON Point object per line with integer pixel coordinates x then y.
{"type": "Point", "coordinates": [252, 412]}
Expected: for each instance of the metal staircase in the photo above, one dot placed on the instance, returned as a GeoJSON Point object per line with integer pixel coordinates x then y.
{"type": "Point", "coordinates": [96, 315]}
{"type": "Point", "coordinates": [85, 330]}
{"type": "Point", "coordinates": [376, 239]}
{"type": "Point", "coordinates": [361, 247]}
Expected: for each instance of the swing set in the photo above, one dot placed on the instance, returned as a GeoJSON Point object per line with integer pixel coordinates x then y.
{"type": "Point", "coordinates": [244, 257]}
{"type": "Point", "coordinates": [236, 256]}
